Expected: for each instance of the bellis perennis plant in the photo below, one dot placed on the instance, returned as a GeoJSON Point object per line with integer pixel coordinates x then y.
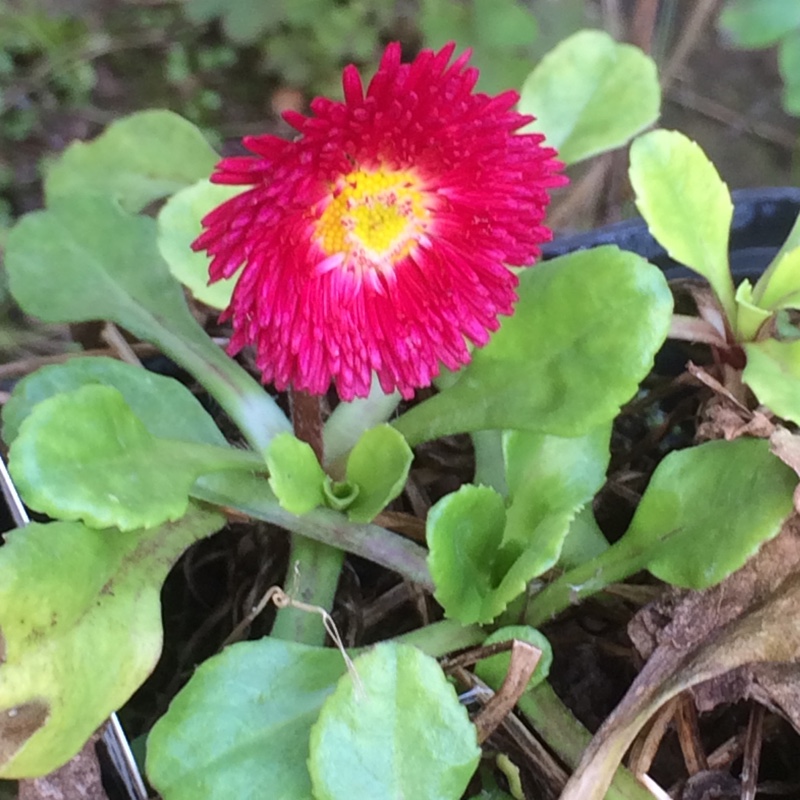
{"type": "Point", "coordinates": [375, 253]}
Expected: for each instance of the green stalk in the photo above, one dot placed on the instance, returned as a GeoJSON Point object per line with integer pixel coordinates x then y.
{"type": "Point", "coordinates": [567, 738]}
{"type": "Point", "coordinates": [245, 401]}
{"type": "Point", "coordinates": [613, 565]}
{"type": "Point", "coordinates": [314, 570]}
{"type": "Point", "coordinates": [314, 567]}
{"type": "Point", "coordinates": [490, 466]}
{"type": "Point", "coordinates": [349, 420]}
{"type": "Point", "coordinates": [445, 636]}
{"type": "Point", "coordinates": [251, 496]}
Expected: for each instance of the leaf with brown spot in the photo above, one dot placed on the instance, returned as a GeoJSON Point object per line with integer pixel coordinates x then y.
{"type": "Point", "coordinates": [81, 621]}
{"type": "Point", "coordinates": [18, 724]}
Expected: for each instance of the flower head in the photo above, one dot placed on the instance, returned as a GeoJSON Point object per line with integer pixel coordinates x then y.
{"type": "Point", "coordinates": [378, 240]}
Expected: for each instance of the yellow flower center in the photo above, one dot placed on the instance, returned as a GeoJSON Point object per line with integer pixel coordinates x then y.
{"type": "Point", "coordinates": [375, 218]}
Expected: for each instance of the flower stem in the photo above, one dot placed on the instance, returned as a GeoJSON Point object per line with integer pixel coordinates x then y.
{"type": "Point", "coordinates": [307, 420]}
{"type": "Point", "coordinates": [313, 576]}
{"type": "Point", "coordinates": [314, 568]}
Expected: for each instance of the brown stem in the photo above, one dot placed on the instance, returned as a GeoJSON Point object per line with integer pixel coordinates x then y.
{"type": "Point", "coordinates": [643, 24]}
{"type": "Point", "coordinates": [307, 419]}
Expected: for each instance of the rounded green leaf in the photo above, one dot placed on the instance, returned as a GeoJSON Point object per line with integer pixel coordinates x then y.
{"type": "Point", "coordinates": [179, 224]}
{"type": "Point", "coordinates": [773, 373]}
{"type": "Point", "coordinates": [591, 94]}
{"type": "Point", "coordinates": [707, 509]}
{"type": "Point", "coordinates": [85, 455]}
{"type": "Point", "coordinates": [464, 532]}
{"type": "Point", "coordinates": [165, 406]}
{"type": "Point", "coordinates": [493, 670]}
{"type": "Point", "coordinates": [295, 474]}
{"type": "Point", "coordinates": [137, 159]}
{"type": "Point", "coordinates": [108, 266]}
{"type": "Point", "coordinates": [240, 726]}
{"type": "Point", "coordinates": [80, 630]}
{"type": "Point", "coordinates": [584, 334]}
{"type": "Point", "coordinates": [399, 731]}
{"type": "Point", "coordinates": [687, 207]}
{"type": "Point", "coordinates": [759, 23]}
{"type": "Point", "coordinates": [378, 465]}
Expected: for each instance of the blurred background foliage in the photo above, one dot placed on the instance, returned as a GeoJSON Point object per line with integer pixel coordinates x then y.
{"type": "Point", "coordinates": [70, 67]}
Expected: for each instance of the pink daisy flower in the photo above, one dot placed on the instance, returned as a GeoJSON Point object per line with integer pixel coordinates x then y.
{"type": "Point", "coordinates": [378, 240]}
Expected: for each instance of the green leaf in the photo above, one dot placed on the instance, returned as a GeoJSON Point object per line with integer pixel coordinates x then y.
{"type": "Point", "coordinates": [378, 465]}
{"type": "Point", "coordinates": [136, 160]}
{"type": "Point", "coordinates": [763, 285]}
{"type": "Point", "coordinates": [591, 94]}
{"type": "Point", "coordinates": [399, 731]}
{"type": "Point", "coordinates": [99, 262]}
{"type": "Point", "coordinates": [179, 224]}
{"type": "Point", "coordinates": [80, 629]}
{"type": "Point", "coordinates": [349, 421]}
{"type": "Point", "coordinates": [482, 556]}
{"type": "Point", "coordinates": [339, 495]}
{"type": "Point", "coordinates": [493, 670]}
{"type": "Point", "coordinates": [789, 64]}
{"type": "Point", "coordinates": [549, 479]}
{"type": "Point", "coordinates": [465, 532]}
{"type": "Point", "coordinates": [85, 455]}
{"type": "Point", "coordinates": [779, 287]}
{"type": "Point", "coordinates": [584, 334]}
{"type": "Point", "coordinates": [242, 723]}
{"type": "Point", "coordinates": [687, 207]}
{"type": "Point", "coordinates": [707, 509]}
{"type": "Point", "coordinates": [295, 474]}
{"type": "Point", "coordinates": [773, 373]}
{"type": "Point", "coordinates": [584, 540]}
{"type": "Point", "coordinates": [749, 317]}
{"type": "Point", "coordinates": [165, 406]}
{"type": "Point", "coordinates": [758, 23]}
